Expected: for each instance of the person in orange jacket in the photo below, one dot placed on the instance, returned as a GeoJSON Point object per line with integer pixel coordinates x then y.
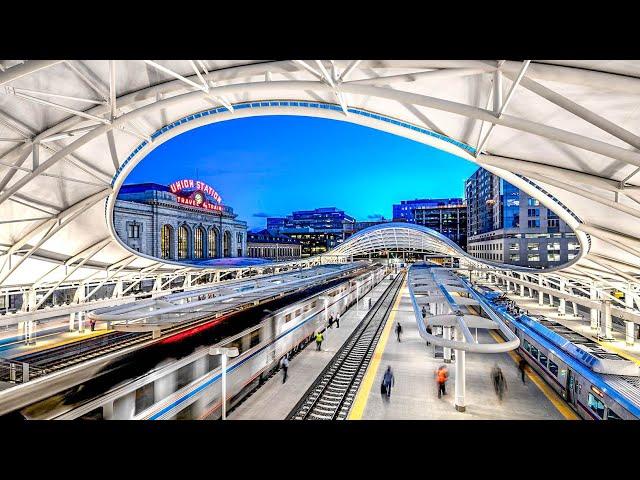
{"type": "Point", "coordinates": [442, 375]}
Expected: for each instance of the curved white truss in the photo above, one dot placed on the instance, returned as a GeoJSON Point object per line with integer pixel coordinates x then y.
{"type": "Point", "coordinates": [70, 131]}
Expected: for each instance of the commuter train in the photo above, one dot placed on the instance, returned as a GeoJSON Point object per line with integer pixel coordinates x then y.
{"type": "Point", "coordinates": [190, 388]}
{"type": "Point", "coordinates": [597, 384]}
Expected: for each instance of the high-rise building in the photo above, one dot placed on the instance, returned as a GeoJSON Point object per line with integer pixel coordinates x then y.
{"type": "Point", "coordinates": [445, 215]}
{"type": "Point", "coordinates": [504, 224]}
{"type": "Point", "coordinates": [317, 230]}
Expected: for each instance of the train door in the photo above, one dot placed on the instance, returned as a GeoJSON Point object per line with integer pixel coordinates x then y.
{"type": "Point", "coordinates": [571, 387]}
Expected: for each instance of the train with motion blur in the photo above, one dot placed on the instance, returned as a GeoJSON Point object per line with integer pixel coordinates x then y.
{"type": "Point", "coordinates": [190, 388]}
{"type": "Point", "coordinates": [595, 383]}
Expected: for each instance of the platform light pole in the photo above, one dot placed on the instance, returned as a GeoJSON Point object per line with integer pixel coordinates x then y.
{"type": "Point", "coordinates": [224, 352]}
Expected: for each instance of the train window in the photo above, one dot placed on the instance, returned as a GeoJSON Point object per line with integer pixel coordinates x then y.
{"type": "Point", "coordinates": [534, 352]}
{"type": "Point", "coordinates": [596, 405]}
{"type": "Point", "coordinates": [527, 346]}
{"type": "Point", "coordinates": [214, 362]}
{"type": "Point", "coordinates": [184, 376]}
{"type": "Point", "coordinates": [144, 397]}
{"type": "Point", "coordinates": [314, 304]}
{"type": "Point", "coordinates": [287, 318]}
{"type": "Point", "coordinates": [611, 415]}
{"type": "Point", "coordinates": [186, 414]}
{"type": "Point", "coordinates": [297, 314]}
{"type": "Point", "coordinates": [553, 368]}
{"type": "Point", "coordinates": [543, 359]}
{"type": "Point", "coordinates": [254, 339]}
{"type": "Point", "coordinates": [95, 414]}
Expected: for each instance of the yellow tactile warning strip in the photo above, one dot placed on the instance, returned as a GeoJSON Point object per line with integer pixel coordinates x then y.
{"type": "Point", "coordinates": [63, 342]}
{"type": "Point", "coordinates": [362, 396]}
{"type": "Point", "coordinates": [553, 397]}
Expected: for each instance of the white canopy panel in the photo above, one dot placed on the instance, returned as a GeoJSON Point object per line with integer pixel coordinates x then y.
{"type": "Point", "coordinates": [566, 132]}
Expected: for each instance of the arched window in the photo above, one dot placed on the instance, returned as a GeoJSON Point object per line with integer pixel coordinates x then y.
{"type": "Point", "coordinates": [198, 245]}
{"type": "Point", "coordinates": [212, 244]}
{"type": "Point", "coordinates": [183, 242]}
{"type": "Point", "coordinates": [226, 247]}
{"type": "Point", "coordinates": [166, 240]}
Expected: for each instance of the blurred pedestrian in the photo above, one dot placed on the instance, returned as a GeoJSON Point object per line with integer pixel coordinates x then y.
{"type": "Point", "coordinates": [319, 339]}
{"type": "Point", "coordinates": [522, 365]}
{"type": "Point", "coordinates": [442, 375]}
{"type": "Point", "coordinates": [338, 320]}
{"type": "Point", "coordinates": [424, 311]}
{"type": "Point", "coordinates": [92, 322]}
{"type": "Point", "coordinates": [330, 322]}
{"type": "Point", "coordinates": [284, 364]}
{"type": "Point", "coordinates": [387, 382]}
{"type": "Point", "coordinates": [430, 332]}
{"type": "Point", "coordinates": [398, 330]}
{"type": "Point", "coordinates": [499, 382]}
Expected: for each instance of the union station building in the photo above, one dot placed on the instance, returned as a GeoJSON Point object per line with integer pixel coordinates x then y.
{"type": "Point", "coordinates": [182, 221]}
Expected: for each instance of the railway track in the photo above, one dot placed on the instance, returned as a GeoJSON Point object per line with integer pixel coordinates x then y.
{"type": "Point", "coordinates": [332, 394]}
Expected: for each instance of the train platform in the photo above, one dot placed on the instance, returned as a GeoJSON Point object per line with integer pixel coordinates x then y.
{"type": "Point", "coordinates": [582, 325]}
{"type": "Point", "coordinates": [274, 400]}
{"type": "Point", "coordinates": [414, 396]}
{"type": "Point", "coordinates": [54, 333]}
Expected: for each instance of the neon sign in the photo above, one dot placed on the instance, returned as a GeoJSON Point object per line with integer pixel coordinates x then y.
{"type": "Point", "coordinates": [196, 194]}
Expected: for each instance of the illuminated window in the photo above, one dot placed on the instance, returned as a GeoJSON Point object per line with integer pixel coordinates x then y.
{"type": "Point", "coordinates": [226, 247]}
{"type": "Point", "coordinates": [533, 257]}
{"type": "Point", "coordinates": [212, 242]}
{"type": "Point", "coordinates": [596, 405]}
{"type": "Point", "coordinates": [166, 238]}
{"type": "Point", "coordinates": [133, 230]}
{"type": "Point", "coordinates": [183, 240]}
{"type": "Point", "coordinates": [533, 246]}
{"type": "Point", "coordinates": [553, 257]}
{"type": "Point", "coordinates": [198, 245]}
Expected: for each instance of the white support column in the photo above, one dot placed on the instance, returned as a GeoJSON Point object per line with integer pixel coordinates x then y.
{"type": "Point", "coordinates": [575, 309]}
{"type": "Point", "coordinates": [540, 293]}
{"type": "Point", "coordinates": [460, 375]}
{"type": "Point", "coordinates": [446, 333]}
{"type": "Point", "coordinates": [72, 321]}
{"type": "Point", "coordinates": [522, 290]}
{"type": "Point", "coordinates": [629, 333]}
{"type": "Point", "coordinates": [550, 300]}
{"type": "Point", "coordinates": [81, 322]}
{"type": "Point", "coordinates": [594, 311]}
{"type": "Point", "coordinates": [605, 324]}
{"type": "Point", "coordinates": [562, 307]}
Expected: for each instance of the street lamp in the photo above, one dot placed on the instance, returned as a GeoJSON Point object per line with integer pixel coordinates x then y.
{"type": "Point", "coordinates": [225, 352]}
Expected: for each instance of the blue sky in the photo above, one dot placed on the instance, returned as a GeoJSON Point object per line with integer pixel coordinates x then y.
{"type": "Point", "coordinates": [270, 166]}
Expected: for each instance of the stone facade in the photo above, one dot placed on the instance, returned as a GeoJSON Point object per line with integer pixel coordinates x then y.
{"type": "Point", "coordinates": [142, 214]}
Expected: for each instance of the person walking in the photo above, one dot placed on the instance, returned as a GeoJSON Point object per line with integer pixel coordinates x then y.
{"type": "Point", "coordinates": [522, 365]}
{"type": "Point", "coordinates": [330, 325]}
{"type": "Point", "coordinates": [387, 382]}
{"type": "Point", "coordinates": [284, 364]}
{"type": "Point", "coordinates": [430, 332]}
{"type": "Point", "coordinates": [424, 311]}
{"type": "Point", "coordinates": [338, 320]}
{"type": "Point", "coordinates": [442, 375]}
{"type": "Point", "coordinates": [499, 383]}
{"type": "Point", "coordinates": [92, 322]}
{"type": "Point", "coordinates": [398, 330]}
{"type": "Point", "coordinates": [319, 340]}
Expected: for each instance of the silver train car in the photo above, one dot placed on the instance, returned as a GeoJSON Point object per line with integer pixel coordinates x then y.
{"type": "Point", "coordinates": [190, 388]}
{"type": "Point", "coordinates": [595, 383]}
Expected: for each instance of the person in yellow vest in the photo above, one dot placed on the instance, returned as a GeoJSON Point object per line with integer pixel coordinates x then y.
{"type": "Point", "coordinates": [319, 339]}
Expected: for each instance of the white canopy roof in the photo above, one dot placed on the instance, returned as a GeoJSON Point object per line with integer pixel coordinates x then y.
{"type": "Point", "coordinates": [566, 132]}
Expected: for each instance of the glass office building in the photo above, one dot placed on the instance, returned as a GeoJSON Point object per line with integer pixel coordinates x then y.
{"type": "Point", "coordinates": [317, 230]}
{"type": "Point", "coordinates": [506, 225]}
{"type": "Point", "coordinates": [445, 215]}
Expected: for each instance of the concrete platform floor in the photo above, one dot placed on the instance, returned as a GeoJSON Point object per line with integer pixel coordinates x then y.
{"type": "Point", "coordinates": [274, 400]}
{"type": "Point", "coordinates": [414, 396]}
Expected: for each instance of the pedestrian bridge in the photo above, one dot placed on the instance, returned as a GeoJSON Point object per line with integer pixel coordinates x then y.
{"type": "Point", "coordinates": [71, 132]}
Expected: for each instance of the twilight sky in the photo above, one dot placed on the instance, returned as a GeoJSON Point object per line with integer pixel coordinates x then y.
{"type": "Point", "coordinates": [270, 166]}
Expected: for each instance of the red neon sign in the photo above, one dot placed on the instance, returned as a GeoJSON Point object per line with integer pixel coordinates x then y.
{"type": "Point", "coordinates": [188, 184]}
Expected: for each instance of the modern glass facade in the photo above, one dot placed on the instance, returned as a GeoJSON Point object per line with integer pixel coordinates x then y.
{"type": "Point", "coordinates": [317, 230]}
{"type": "Point", "coordinates": [507, 225]}
{"type": "Point", "coordinates": [445, 215]}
